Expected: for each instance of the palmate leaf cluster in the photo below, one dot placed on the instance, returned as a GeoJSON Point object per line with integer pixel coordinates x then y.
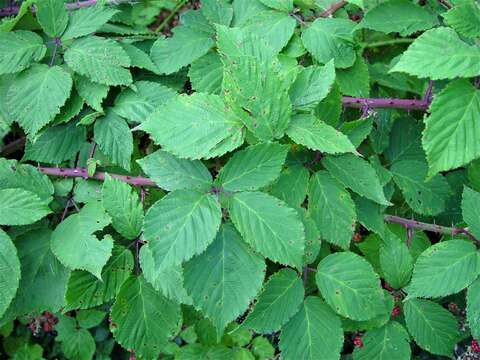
{"type": "Point", "coordinates": [247, 247]}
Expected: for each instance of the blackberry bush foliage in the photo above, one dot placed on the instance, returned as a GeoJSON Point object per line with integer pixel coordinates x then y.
{"type": "Point", "coordinates": [246, 179]}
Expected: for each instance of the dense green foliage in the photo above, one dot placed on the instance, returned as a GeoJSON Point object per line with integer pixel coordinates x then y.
{"type": "Point", "coordinates": [258, 198]}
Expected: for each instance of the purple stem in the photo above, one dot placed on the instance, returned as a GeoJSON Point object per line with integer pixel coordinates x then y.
{"type": "Point", "coordinates": [82, 172]}
{"type": "Point", "coordinates": [407, 104]}
{"type": "Point", "coordinates": [9, 11]}
{"type": "Point", "coordinates": [414, 224]}
{"type": "Point", "coordinates": [429, 92]}
{"type": "Point", "coordinates": [13, 10]}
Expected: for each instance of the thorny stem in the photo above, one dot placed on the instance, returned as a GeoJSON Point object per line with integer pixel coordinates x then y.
{"type": "Point", "coordinates": [82, 172]}
{"type": "Point", "coordinates": [414, 224]}
{"type": "Point", "coordinates": [58, 43]}
{"type": "Point", "coordinates": [387, 43]}
{"type": "Point", "coordinates": [333, 8]}
{"type": "Point", "coordinates": [13, 10]}
{"type": "Point", "coordinates": [170, 16]}
{"type": "Point", "coordinates": [407, 104]}
{"type": "Point", "coordinates": [142, 181]}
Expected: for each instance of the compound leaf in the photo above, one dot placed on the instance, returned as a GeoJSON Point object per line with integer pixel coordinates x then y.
{"type": "Point", "coordinates": [314, 332]}
{"type": "Point", "coordinates": [123, 205]}
{"type": "Point", "coordinates": [181, 225]}
{"type": "Point", "coordinates": [18, 49]}
{"type": "Point", "coordinates": [451, 131]}
{"type": "Point", "coordinates": [432, 327]}
{"type": "Point", "coordinates": [356, 174]}
{"type": "Point", "coordinates": [9, 271]}
{"type": "Point", "coordinates": [21, 207]}
{"type": "Point", "coordinates": [224, 279]}
{"type": "Point", "coordinates": [440, 54]}
{"type": "Point", "coordinates": [280, 299]}
{"type": "Point", "coordinates": [75, 245]}
{"type": "Point", "coordinates": [332, 209]}
{"type": "Point", "coordinates": [36, 96]}
{"type": "Point", "coordinates": [272, 228]}
{"type": "Point", "coordinates": [173, 173]}
{"type": "Point", "coordinates": [101, 60]}
{"type": "Point", "coordinates": [253, 168]}
{"type": "Point", "coordinates": [350, 286]}
{"type": "Point", "coordinates": [444, 268]}
{"type": "Point", "coordinates": [139, 306]}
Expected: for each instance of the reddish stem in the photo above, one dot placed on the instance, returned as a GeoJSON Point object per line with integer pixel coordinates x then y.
{"type": "Point", "coordinates": [414, 224]}
{"type": "Point", "coordinates": [13, 10]}
{"type": "Point", "coordinates": [82, 172]}
{"type": "Point", "coordinates": [407, 104]}
{"type": "Point", "coordinates": [333, 8]}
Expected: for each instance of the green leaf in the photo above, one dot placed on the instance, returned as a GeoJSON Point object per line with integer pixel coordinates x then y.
{"type": "Point", "coordinates": [87, 20]}
{"type": "Point", "coordinates": [136, 106]}
{"type": "Point", "coordinates": [138, 57]}
{"type": "Point", "coordinates": [93, 93]}
{"type": "Point", "coordinates": [101, 60]}
{"type": "Point", "coordinates": [396, 263]}
{"type": "Point", "coordinates": [85, 290]}
{"type": "Point", "coordinates": [224, 279]}
{"type": "Point", "coordinates": [44, 279]}
{"type": "Point", "coordinates": [52, 16]}
{"type": "Point", "coordinates": [444, 268]}
{"type": "Point", "coordinates": [21, 207]}
{"type": "Point", "coordinates": [356, 174]}
{"type": "Point", "coordinates": [265, 105]}
{"type": "Point", "coordinates": [187, 44]}
{"type": "Point", "coordinates": [181, 225]}
{"type": "Point", "coordinates": [390, 342]}
{"type": "Point", "coordinates": [451, 131]}
{"type": "Point", "coordinates": [77, 344]}
{"type": "Point", "coordinates": [275, 28]}
{"type": "Point", "coordinates": [206, 74]}
{"type": "Point", "coordinates": [282, 5]}
{"type": "Point", "coordinates": [312, 85]}
{"type": "Point", "coordinates": [350, 286]}
{"type": "Point", "coordinates": [332, 209]}
{"type": "Point", "coordinates": [357, 130]}
{"type": "Point", "coordinates": [90, 318]}
{"type": "Point", "coordinates": [27, 177]}
{"type": "Point", "coordinates": [192, 126]}
{"type": "Point", "coordinates": [405, 141]}
{"type": "Point", "coordinates": [328, 39]}
{"type": "Point", "coordinates": [56, 144]}
{"type": "Point", "coordinates": [168, 281]}
{"type": "Point", "coordinates": [172, 173]}
{"type": "Point", "coordinates": [315, 332]}
{"type": "Point", "coordinates": [470, 211]}
{"type": "Point", "coordinates": [74, 242]}
{"type": "Point", "coordinates": [464, 17]}
{"type": "Point", "coordinates": [427, 197]}
{"type": "Point", "coordinates": [272, 228]}
{"type": "Point", "coordinates": [291, 186]}
{"type": "Point", "coordinates": [316, 135]}
{"type": "Point", "coordinates": [18, 49]}
{"type": "Point", "coordinates": [253, 168]}
{"type": "Point", "coordinates": [473, 308]}
{"type": "Point", "coordinates": [440, 54]}
{"type": "Point", "coordinates": [398, 16]}
{"type": "Point", "coordinates": [277, 303]}
{"type": "Point", "coordinates": [114, 138]}
{"type": "Point", "coordinates": [36, 96]}
{"type": "Point", "coordinates": [355, 81]}
{"type": "Point", "coordinates": [139, 306]}
{"type": "Point", "coordinates": [123, 205]}
{"type": "Point", "coordinates": [432, 327]}
{"type": "Point", "coordinates": [9, 271]}
{"type": "Point", "coordinates": [217, 11]}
